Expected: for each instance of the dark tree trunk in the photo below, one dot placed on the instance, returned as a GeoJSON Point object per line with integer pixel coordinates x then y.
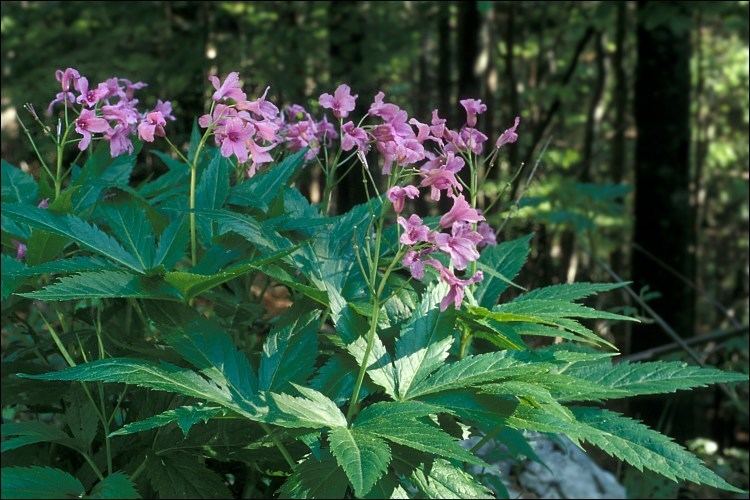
{"type": "Point", "coordinates": [347, 65]}
{"type": "Point", "coordinates": [512, 87]}
{"type": "Point", "coordinates": [445, 60]}
{"type": "Point", "coordinates": [663, 214]}
{"type": "Point", "coordinates": [591, 118]}
{"type": "Point", "coordinates": [468, 51]}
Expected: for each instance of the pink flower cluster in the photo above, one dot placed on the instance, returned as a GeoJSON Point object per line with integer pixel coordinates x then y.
{"type": "Point", "coordinates": [109, 109]}
{"type": "Point", "coordinates": [248, 130]}
{"type": "Point", "coordinates": [436, 154]}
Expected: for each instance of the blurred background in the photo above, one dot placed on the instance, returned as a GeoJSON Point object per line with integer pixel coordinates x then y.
{"type": "Point", "coordinates": [634, 124]}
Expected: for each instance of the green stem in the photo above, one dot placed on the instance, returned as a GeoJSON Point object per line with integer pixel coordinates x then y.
{"type": "Point", "coordinates": [284, 452]}
{"type": "Point", "coordinates": [363, 368]}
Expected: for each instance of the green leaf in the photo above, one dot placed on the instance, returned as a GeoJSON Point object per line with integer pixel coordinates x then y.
{"type": "Point", "coordinates": [117, 485]}
{"type": "Point", "coordinates": [43, 245]}
{"type": "Point", "coordinates": [442, 479]}
{"type": "Point", "coordinates": [162, 377]}
{"type": "Point", "coordinates": [105, 284]}
{"type": "Point", "coordinates": [100, 172]}
{"type": "Point", "coordinates": [68, 266]}
{"type": "Point", "coordinates": [184, 416]}
{"type": "Point", "coordinates": [81, 417]}
{"type": "Point", "coordinates": [289, 353]}
{"type": "Point", "coordinates": [314, 410]}
{"type": "Point", "coordinates": [553, 310]}
{"type": "Point", "coordinates": [424, 342]}
{"type": "Point", "coordinates": [631, 379]}
{"type": "Point", "coordinates": [133, 229]}
{"type": "Point", "coordinates": [363, 457]}
{"type": "Point", "coordinates": [479, 369]}
{"type": "Point", "coordinates": [313, 478]}
{"type": "Point", "coordinates": [641, 447]}
{"type": "Point", "coordinates": [191, 284]}
{"type": "Point", "coordinates": [172, 243]}
{"type": "Point", "coordinates": [182, 475]}
{"type": "Point", "coordinates": [260, 190]}
{"type": "Point", "coordinates": [211, 193]}
{"type": "Point", "coordinates": [569, 292]}
{"type": "Point", "coordinates": [39, 482]}
{"type": "Point", "coordinates": [418, 435]}
{"type": "Point", "coordinates": [13, 275]}
{"type": "Point", "coordinates": [210, 349]}
{"type": "Point", "coordinates": [17, 186]}
{"type": "Point", "coordinates": [500, 265]}
{"type": "Point", "coordinates": [18, 434]}
{"type": "Point", "coordinates": [78, 230]}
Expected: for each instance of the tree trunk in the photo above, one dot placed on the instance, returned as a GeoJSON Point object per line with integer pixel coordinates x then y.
{"type": "Point", "coordinates": [663, 214]}
{"type": "Point", "coordinates": [445, 61]}
{"type": "Point", "coordinates": [511, 85]}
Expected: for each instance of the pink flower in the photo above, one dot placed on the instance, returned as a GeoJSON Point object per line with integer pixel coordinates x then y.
{"type": "Point", "coordinates": [61, 97]}
{"type": "Point", "coordinates": [341, 102]}
{"type": "Point", "coordinates": [260, 155]}
{"type": "Point", "coordinates": [423, 130]}
{"type": "Point", "coordinates": [456, 292]}
{"type": "Point", "coordinates": [131, 87]}
{"type": "Point", "coordinates": [260, 107]}
{"type": "Point", "coordinates": [121, 112]}
{"type": "Point", "coordinates": [220, 114]}
{"type": "Point", "coordinates": [414, 230]}
{"type": "Point", "coordinates": [413, 260]}
{"type": "Point", "coordinates": [460, 212]}
{"type": "Point", "coordinates": [88, 123]}
{"type": "Point", "coordinates": [437, 125]}
{"type": "Point", "coordinates": [461, 244]}
{"type": "Point", "coordinates": [67, 78]}
{"type": "Point", "coordinates": [488, 235]}
{"type": "Point", "coordinates": [473, 108]}
{"type": "Point", "coordinates": [440, 174]}
{"type": "Point", "coordinates": [509, 136]}
{"type": "Point", "coordinates": [153, 124]}
{"type": "Point", "coordinates": [119, 140]}
{"type": "Point", "coordinates": [89, 97]}
{"type": "Point", "coordinates": [266, 130]}
{"type": "Point", "coordinates": [353, 136]}
{"type": "Point", "coordinates": [230, 89]}
{"type": "Point", "coordinates": [44, 203]}
{"type": "Point", "coordinates": [473, 139]}
{"type": "Point", "coordinates": [386, 111]}
{"type": "Point", "coordinates": [165, 108]}
{"type": "Point", "coordinates": [234, 137]}
{"type": "Point", "coordinates": [398, 194]}
{"type": "Point", "coordinates": [20, 250]}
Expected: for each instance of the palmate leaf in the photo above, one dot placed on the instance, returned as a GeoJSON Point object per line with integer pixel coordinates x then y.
{"type": "Point", "coordinates": [210, 349]}
{"type": "Point", "coordinates": [86, 235]}
{"type": "Point", "coordinates": [641, 447]}
{"type": "Point", "coordinates": [105, 284]}
{"type": "Point", "coordinates": [13, 275]}
{"type": "Point", "coordinates": [403, 423]}
{"type": "Point", "coordinates": [192, 284]}
{"type": "Point", "coordinates": [69, 266]}
{"type": "Point", "coordinates": [43, 245]}
{"type": "Point", "coordinates": [289, 353]}
{"type": "Point", "coordinates": [184, 416]}
{"type": "Point", "coordinates": [17, 186]}
{"type": "Point", "coordinates": [554, 309]}
{"type": "Point", "coordinates": [117, 485]}
{"type": "Point", "coordinates": [442, 479]}
{"type": "Point", "coordinates": [315, 478]}
{"type": "Point", "coordinates": [211, 193]}
{"type": "Point", "coordinates": [133, 229]}
{"type": "Point", "coordinates": [622, 437]}
{"type": "Point", "coordinates": [18, 434]}
{"type": "Point", "coordinates": [314, 410]}
{"type": "Point", "coordinates": [161, 377]}
{"type": "Point", "coordinates": [479, 369]}
{"type": "Point", "coordinates": [100, 172]}
{"type": "Point", "coordinates": [39, 482]}
{"type": "Point", "coordinates": [500, 265]}
{"type": "Point", "coordinates": [260, 190]}
{"type": "Point", "coordinates": [361, 455]}
{"type": "Point", "coordinates": [424, 342]}
{"type": "Point", "coordinates": [172, 243]}
{"type": "Point", "coordinates": [633, 379]}
{"type": "Point", "coordinates": [569, 292]}
{"type": "Point", "coordinates": [184, 475]}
